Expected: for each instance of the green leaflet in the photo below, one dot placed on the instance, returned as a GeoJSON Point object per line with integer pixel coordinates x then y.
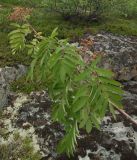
{"type": "Point", "coordinates": [15, 25]}
{"type": "Point", "coordinates": [54, 33]}
{"type": "Point", "coordinates": [96, 91]}
{"type": "Point", "coordinates": [54, 58]}
{"type": "Point", "coordinates": [112, 110]}
{"type": "Point", "coordinates": [114, 96]}
{"type": "Point", "coordinates": [103, 109]}
{"type": "Point", "coordinates": [116, 102]}
{"type": "Point", "coordinates": [43, 60]}
{"type": "Point", "coordinates": [30, 75]}
{"type": "Point", "coordinates": [95, 120]}
{"type": "Point", "coordinates": [67, 144]}
{"type": "Point", "coordinates": [104, 72]}
{"type": "Point", "coordinates": [89, 126]}
{"type": "Point", "coordinates": [69, 64]}
{"type": "Point", "coordinates": [14, 36]}
{"type": "Point", "coordinates": [80, 103]}
{"type": "Point", "coordinates": [73, 60]}
{"type": "Point", "coordinates": [84, 117]}
{"type": "Point", "coordinates": [81, 92]}
{"type": "Point", "coordinates": [62, 72]}
{"type": "Point", "coordinates": [17, 37]}
{"type": "Point", "coordinates": [113, 89]}
{"type": "Point", "coordinates": [13, 33]}
{"type": "Point", "coordinates": [59, 113]}
{"type": "Point", "coordinates": [82, 76]}
{"type": "Point", "coordinates": [110, 81]}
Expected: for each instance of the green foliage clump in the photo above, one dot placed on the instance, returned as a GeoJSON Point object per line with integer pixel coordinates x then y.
{"type": "Point", "coordinates": [30, 3]}
{"type": "Point", "coordinates": [77, 7]}
{"type": "Point", "coordinates": [93, 9]}
{"type": "Point", "coordinates": [125, 8]}
{"type": "Point", "coordinates": [121, 27]}
{"type": "Point", "coordinates": [81, 92]}
{"type": "Point", "coordinates": [26, 86]}
{"type": "Point", "coordinates": [4, 12]}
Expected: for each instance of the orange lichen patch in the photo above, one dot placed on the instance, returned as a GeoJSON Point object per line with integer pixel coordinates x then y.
{"type": "Point", "coordinates": [97, 54]}
{"type": "Point", "coordinates": [86, 45]}
{"type": "Point", "coordinates": [20, 14]}
{"type": "Point", "coordinates": [87, 42]}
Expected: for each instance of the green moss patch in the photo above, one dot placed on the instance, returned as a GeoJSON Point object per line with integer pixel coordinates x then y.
{"type": "Point", "coordinates": [22, 85]}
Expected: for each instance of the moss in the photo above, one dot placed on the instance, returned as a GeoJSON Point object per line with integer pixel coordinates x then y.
{"type": "Point", "coordinates": [47, 21]}
{"type": "Point", "coordinates": [19, 148]}
{"type": "Point", "coordinates": [4, 13]}
{"type": "Point", "coordinates": [25, 3]}
{"type": "Point", "coordinates": [21, 85]}
{"type": "Point", "coordinates": [121, 26]}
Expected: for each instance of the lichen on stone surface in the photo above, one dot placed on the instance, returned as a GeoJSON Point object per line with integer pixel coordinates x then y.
{"type": "Point", "coordinates": [17, 143]}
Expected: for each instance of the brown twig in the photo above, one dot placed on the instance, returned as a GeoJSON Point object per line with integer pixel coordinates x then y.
{"type": "Point", "coordinates": [125, 115]}
{"type": "Point", "coordinates": [128, 117]}
{"type": "Point", "coordinates": [31, 27]}
{"type": "Point", "coordinates": [35, 32]}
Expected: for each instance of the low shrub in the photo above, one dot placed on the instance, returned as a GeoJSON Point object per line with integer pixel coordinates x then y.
{"type": "Point", "coordinates": [81, 93]}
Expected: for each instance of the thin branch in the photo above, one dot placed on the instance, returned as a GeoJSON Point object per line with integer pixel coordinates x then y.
{"type": "Point", "coordinates": [31, 27]}
{"type": "Point", "coordinates": [125, 115]}
{"type": "Point", "coordinates": [35, 32]}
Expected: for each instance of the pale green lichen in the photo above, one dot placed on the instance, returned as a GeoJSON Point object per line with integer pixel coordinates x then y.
{"type": "Point", "coordinates": [17, 143]}
{"type": "Point", "coordinates": [16, 147]}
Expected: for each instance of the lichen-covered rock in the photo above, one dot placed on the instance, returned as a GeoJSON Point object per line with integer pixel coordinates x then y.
{"type": "Point", "coordinates": [117, 139]}
{"type": "Point", "coordinates": [7, 75]}
{"type": "Point", "coordinates": [13, 140]}
{"type": "Point", "coordinates": [120, 54]}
